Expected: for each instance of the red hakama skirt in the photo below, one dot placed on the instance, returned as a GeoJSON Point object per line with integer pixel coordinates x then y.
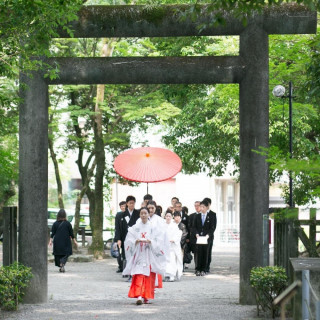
{"type": "Point", "coordinates": [142, 286]}
{"type": "Point", "coordinates": [159, 281]}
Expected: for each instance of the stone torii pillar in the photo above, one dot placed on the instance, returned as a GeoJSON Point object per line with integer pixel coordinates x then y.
{"type": "Point", "coordinates": [249, 69]}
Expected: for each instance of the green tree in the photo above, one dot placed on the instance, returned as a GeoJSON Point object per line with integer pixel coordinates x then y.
{"type": "Point", "coordinates": [26, 28]}
{"type": "Point", "coordinates": [8, 141]}
{"type": "Point", "coordinates": [206, 134]}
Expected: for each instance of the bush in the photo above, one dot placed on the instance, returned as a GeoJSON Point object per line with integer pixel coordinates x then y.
{"type": "Point", "coordinates": [13, 279]}
{"type": "Point", "coordinates": [268, 283]}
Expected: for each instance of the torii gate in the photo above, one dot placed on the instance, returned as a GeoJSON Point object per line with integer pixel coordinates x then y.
{"type": "Point", "coordinates": [249, 69]}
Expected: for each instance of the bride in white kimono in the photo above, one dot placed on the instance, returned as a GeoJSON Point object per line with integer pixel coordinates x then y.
{"type": "Point", "coordinates": [145, 255]}
{"type": "Point", "coordinates": [174, 265]}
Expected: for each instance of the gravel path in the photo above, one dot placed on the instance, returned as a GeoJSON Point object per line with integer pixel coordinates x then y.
{"type": "Point", "coordinates": [93, 290]}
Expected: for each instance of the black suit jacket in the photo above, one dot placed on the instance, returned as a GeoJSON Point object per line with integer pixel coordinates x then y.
{"type": "Point", "coordinates": [191, 235]}
{"type": "Point", "coordinates": [185, 219]}
{"type": "Point", "coordinates": [117, 226]}
{"type": "Point", "coordinates": [184, 235]}
{"type": "Point", "coordinates": [126, 222]}
{"type": "Point", "coordinates": [207, 228]}
{"type": "Point", "coordinates": [214, 216]}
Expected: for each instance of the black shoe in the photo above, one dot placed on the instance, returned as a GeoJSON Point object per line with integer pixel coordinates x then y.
{"type": "Point", "coordinates": [198, 273]}
{"type": "Point", "coordinates": [202, 273]}
{"type": "Point", "coordinates": [129, 279]}
{"type": "Point", "coordinates": [119, 271]}
{"type": "Point", "coordinates": [125, 276]}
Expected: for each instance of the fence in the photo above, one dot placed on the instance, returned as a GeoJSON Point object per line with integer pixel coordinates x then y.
{"type": "Point", "coordinates": [310, 305]}
{"type": "Point", "coordinates": [288, 230]}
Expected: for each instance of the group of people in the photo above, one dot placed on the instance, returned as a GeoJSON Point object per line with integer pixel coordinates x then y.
{"type": "Point", "coordinates": [152, 244]}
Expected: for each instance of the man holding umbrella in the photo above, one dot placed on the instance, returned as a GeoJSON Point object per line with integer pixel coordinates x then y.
{"type": "Point", "coordinates": [128, 219]}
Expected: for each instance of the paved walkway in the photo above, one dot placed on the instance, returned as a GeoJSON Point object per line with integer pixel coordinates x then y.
{"type": "Point", "coordinates": [93, 290]}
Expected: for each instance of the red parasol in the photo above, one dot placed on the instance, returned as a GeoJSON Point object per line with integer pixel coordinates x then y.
{"type": "Point", "coordinates": [147, 164]}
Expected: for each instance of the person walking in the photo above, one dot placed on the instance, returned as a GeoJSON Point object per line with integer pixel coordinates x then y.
{"type": "Point", "coordinates": [184, 215]}
{"type": "Point", "coordinates": [191, 236]}
{"type": "Point", "coordinates": [213, 216]}
{"type": "Point", "coordinates": [203, 228]}
{"type": "Point", "coordinates": [182, 227]}
{"type": "Point", "coordinates": [127, 219]}
{"type": "Point", "coordinates": [61, 236]}
{"type": "Point", "coordinates": [158, 224]}
{"type": "Point", "coordinates": [174, 262]}
{"type": "Point", "coordinates": [119, 214]}
{"type": "Point", "coordinates": [145, 258]}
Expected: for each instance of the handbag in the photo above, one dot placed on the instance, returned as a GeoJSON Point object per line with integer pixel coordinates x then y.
{"type": "Point", "coordinates": [114, 250]}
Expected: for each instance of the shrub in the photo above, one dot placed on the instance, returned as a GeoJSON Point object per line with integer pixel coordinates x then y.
{"type": "Point", "coordinates": [13, 280]}
{"type": "Point", "coordinates": [268, 283]}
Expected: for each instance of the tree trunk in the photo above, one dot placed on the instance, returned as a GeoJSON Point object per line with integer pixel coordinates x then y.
{"type": "Point", "coordinates": [97, 222]}
{"type": "Point", "coordinates": [86, 175]}
{"type": "Point", "coordinates": [57, 172]}
{"type": "Point", "coordinates": [79, 198]}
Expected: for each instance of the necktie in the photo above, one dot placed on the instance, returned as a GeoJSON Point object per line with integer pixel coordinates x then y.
{"type": "Point", "coordinates": [203, 218]}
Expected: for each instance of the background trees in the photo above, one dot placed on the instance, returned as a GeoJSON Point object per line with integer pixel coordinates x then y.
{"type": "Point", "coordinates": [200, 122]}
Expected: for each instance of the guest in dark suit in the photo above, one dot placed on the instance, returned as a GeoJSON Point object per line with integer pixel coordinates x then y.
{"type": "Point", "coordinates": [210, 242]}
{"type": "Point", "coordinates": [204, 226]}
{"type": "Point", "coordinates": [127, 219]}
{"type": "Point", "coordinates": [122, 206]}
{"type": "Point", "coordinates": [191, 239]}
{"type": "Point", "coordinates": [184, 215]}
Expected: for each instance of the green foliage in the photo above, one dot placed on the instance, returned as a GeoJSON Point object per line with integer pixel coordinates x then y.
{"type": "Point", "coordinates": [8, 140]}
{"type": "Point", "coordinates": [201, 122]}
{"type": "Point", "coordinates": [27, 27]}
{"type": "Point", "coordinates": [268, 283]}
{"type": "Point", "coordinates": [305, 173]}
{"type": "Point", "coordinates": [13, 280]}
{"type": "Point", "coordinates": [209, 116]}
{"type": "Point", "coordinates": [281, 214]}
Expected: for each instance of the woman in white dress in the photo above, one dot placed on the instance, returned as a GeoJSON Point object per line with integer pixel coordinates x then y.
{"type": "Point", "coordinates": [145, 258]}
{"type": "Point", "coordinates": [174, 261]}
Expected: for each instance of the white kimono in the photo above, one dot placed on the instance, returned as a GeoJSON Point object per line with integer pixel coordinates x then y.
{"type": "Point", "coordinates": [174, 265]}
{"type": "Point", "coordinates": [158, 224]}
{"type": "Point", "coordinates": [144, 257]}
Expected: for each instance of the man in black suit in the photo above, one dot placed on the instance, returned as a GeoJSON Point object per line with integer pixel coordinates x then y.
{"type": "Point", "coordinates": [122, 206]}
{"type": "Point", "coordinates": [191, 239]}
{"type": "Point", "coordinates": [203, 226]}
{"type": "Point", "coordinates": [127, 219]}
{"type": "Point", "coordinates": [184, 216]}
{"type": "Point", "coordinates": [213, 215]}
